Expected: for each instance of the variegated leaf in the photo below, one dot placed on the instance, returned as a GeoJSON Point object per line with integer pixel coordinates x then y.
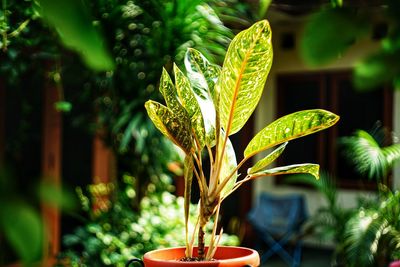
{"type": "Point", "coordinates": [189, 102]}
{"type": "Point", "coordinates": [308, 168]}
{"type": "Point", "coordinates": [243, 75]}
{"type": "Point", "coordinates": [290, 127]}
{"type": "Point", "coordinates": [188, 167]}
{"type": "Point", "coordinates": [203, 76]}
{"type": "Point", "coordinates": [169, 93]}
{"type": "Point", "coordinates": [175, 127]}
{"type": "Point", "coordinates": [271, 157]}
{"type": "Point", "coordinates": [229, 164]}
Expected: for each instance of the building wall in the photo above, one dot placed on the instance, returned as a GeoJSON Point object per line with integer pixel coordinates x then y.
{"type": "Point", "coordinates": [289, 61]}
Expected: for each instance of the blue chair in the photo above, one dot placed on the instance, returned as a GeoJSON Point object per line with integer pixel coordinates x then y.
{"type": "Point", "coordinates": [278, 220]}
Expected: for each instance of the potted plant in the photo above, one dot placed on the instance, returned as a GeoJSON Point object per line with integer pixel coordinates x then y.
{"type": "Point", "coordinates": [205, 107]}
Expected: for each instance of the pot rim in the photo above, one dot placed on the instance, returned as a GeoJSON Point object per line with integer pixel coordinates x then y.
{"type": "Point", "coordinates": [251, 254]}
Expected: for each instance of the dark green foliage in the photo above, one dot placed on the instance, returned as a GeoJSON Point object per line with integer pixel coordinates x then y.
{"type": "Point", "coordinates": [21, 224]}
{"type": "Point", "coordinates": [330, 32]}
{"type": "Point", "coordinates": [72, 20]}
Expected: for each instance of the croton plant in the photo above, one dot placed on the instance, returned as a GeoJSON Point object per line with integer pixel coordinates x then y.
{"type": "Point", "coordinates": [207, 105]}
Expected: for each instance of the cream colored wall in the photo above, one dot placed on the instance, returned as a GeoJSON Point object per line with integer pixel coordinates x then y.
{"type": "Point", "coordinates": [289, 61]}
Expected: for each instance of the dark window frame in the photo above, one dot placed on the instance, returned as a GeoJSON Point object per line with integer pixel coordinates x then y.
{"type": "Point", "coordinates": [328, 98]}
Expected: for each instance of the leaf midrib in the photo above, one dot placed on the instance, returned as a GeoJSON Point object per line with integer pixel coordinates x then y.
{"type": "Point", "coordinates": [238, 82]}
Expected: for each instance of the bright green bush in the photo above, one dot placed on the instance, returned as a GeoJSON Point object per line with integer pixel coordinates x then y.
{"type": "Point", "coordinates": [117, 232]}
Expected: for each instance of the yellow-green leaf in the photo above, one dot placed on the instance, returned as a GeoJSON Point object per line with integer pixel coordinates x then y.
{"type": "Point", "coordinates": [175, 127]}
{"type": "Point", "coordinates": [229, 165]}
{"type": "Point", "coordinates": [203, 75]}
{"type": "Point", "coordinates": [189, 102]}
{"type": "Point", "coordinates": [290, 127]}
{"type": "Point", "coordinates": [271, 157]}
{"type": "Point", "coordinates": [243, 75]}
{"type": "Point", "coordinates": [308, 168]}
{"type": "Point", "coordinates": [167, 89]}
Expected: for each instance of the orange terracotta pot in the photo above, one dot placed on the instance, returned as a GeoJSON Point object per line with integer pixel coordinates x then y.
{"type": "Point", "coordinates": [224, 257]}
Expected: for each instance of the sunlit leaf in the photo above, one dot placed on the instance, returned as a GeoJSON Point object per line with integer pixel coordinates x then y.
{"type": "Point", "coordinates": [329, 33]}
{"type": "Point", "coordinates": [72, 21]}
{"type": "Point", "coordinates": [173, 126]}
{"type": "Point", "coordinates": [23, 229]}
{"type": "Point", "coordinates": [392, 153]}
{"type": "Point", "coordinates": [363, 230]}
{"type": "Point", "coordinates": [188, 176]}
{"type": "Point", "coordinates": [308, 168]}
{"type": "Point", "coordinates": [290, 127]}
{"type": "Point", "coordinates": [203, 75]}
{"type": "Point", "coordinates": [229, 164]}
{"type": "Point", "coordinates": [271, 157]}
{"type": "Point", "coordinates": [243, 75]}
{"type": "Point", "coordinates": [168, 90]}
{"type": "Point", "coordinates": [189, 102]}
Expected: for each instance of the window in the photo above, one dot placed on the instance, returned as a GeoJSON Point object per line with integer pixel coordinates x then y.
{"type": "Point", "coordinates": [332, 91]}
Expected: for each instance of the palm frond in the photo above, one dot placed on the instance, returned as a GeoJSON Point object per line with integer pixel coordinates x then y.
{"type": "Point", "coordinates": [368, 156]}
{"type": "Point", "coordinates": [326, 184]}
{"type": "Point", "coordinates": [362, 236]}
{"type": "Point", "coordinates": [374, 233]}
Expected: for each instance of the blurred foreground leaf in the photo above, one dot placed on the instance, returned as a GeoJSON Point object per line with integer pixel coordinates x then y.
{"type": "Point", "coordinates": [329, 33]}
{"type": "Point", "coordinates": [72, 21]}
{"type": "Point", "coordinates": [55, 196]}
{"type": "Point", "coordinates": [63, 106]}
{"type": "Point", "coordinates": [23, 228]}
{"type": "Point", "coordinates": [377, 69]}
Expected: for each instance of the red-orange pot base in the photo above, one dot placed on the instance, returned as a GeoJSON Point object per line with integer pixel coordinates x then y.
{"type": "Point", "coordinates": [224, 257]}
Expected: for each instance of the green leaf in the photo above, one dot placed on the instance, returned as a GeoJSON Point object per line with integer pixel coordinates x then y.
{"type": "Point", "coordinates": [243, 75]}
{"type": "Point", "coordinates": [189, 102]}
{"type": "Point", "coordinates": [57, 197]}
{"type": "Point", "coordinates": [309, 168]}
{"type": "Point", "coordinates": [369, 159]}
{"type": "Point", "coordinates": [188, 167]}
{"type": "Point", "coordinates": [128, 133]}
{"type": "Point", "coordinates": [23, 228]}
{"type": "Point", "coordinates": [264, 4]}
{"type": "Point", "coordinates": [290, 127]}
{"type": "Point", "coordinates": [73, 23]}
{"type": "Point", "coordinates": [271, 157]}
{"type": "Point", "coordinates": [167, 89]}
{"type": "Point", "coordinates": [391, 153]}
{"type": "Point", "coordinates": [329, 33]}
{"type": "Point", "coordinates": [63, 106]}
{"type": "Point", "coordinates": [376, 70]}
{"type": "Point", "coordinates": [175, 127]}
{"type": "Point", "coordinates": [229, 164]}
{"type": "Point", "coordinates": [203, 75]}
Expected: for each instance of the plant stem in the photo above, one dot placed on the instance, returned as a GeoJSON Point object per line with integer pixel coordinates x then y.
{"type": "Point", "coordinates": [201, 244]}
